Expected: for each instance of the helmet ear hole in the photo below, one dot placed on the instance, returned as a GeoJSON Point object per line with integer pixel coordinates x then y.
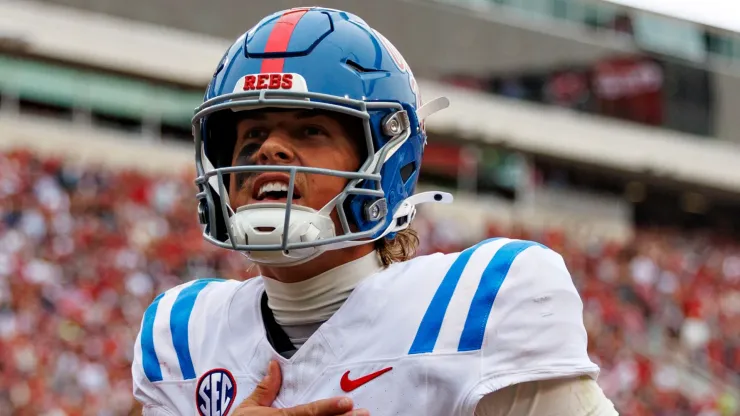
{"type": "Point", "coordinates": [407, 170]}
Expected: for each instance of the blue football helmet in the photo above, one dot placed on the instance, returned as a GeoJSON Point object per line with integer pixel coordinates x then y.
{"type": "Point", "coordinates": [323, 59]}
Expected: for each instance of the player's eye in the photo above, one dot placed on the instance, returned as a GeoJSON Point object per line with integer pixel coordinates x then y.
{"type": "Point", "coordinates": [256, 133]}
{"type": "Point", "coordinates": [310, 131]}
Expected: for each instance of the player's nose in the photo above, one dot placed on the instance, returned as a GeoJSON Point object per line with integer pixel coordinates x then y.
{"type": "Point", "coordinates": [276, 150]}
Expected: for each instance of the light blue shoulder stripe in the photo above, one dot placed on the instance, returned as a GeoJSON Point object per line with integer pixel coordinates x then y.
{"type": "Point", "coordinates": [179, 320]}
{"type": "Point", "coordinates": [431, 324]}
{"type": "Point", "coordinates": [493, 277]}
{"type": "Point", "coordinates": [149, 359]}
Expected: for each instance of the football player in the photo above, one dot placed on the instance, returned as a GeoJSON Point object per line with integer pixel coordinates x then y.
{"type": "Point", "coordinates": [308, 150]}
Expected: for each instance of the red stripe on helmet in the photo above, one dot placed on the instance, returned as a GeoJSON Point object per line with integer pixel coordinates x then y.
{"type": "Point", "coordinates": [279, 39]}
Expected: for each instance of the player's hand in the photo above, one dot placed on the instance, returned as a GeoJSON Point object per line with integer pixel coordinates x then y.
{"type": "Point", "coordinates": [258, 403]}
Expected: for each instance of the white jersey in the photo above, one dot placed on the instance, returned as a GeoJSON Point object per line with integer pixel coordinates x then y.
{"type": "Point", "coordinates": [428, 336]}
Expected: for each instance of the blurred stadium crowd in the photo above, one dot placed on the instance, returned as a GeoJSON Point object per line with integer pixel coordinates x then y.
{"type": "Point", "coordinates": [83, 250]}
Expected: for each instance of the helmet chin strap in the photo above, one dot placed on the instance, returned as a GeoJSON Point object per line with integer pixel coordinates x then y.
{"type": "Point", "coordinates": [406, 209]}
{"type": "Point", "coordinates": [264, 224]}
{"type": "Point", "coordinates": [431, 107]}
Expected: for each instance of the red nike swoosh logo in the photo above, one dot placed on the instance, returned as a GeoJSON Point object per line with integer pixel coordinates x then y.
{"type": "Point", "coordinates": [348, 385]}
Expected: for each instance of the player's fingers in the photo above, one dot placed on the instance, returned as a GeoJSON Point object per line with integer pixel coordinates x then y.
{"type": "Point", "coordinates": [357, 412]}
{"type": "Point", "coordinates": [265, 392]}
{"type": "Point", "coordinates": [336, 406]}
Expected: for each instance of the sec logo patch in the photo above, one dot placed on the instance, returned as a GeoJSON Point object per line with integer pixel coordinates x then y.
{"type": "Point", "coordinates": [215, 392]}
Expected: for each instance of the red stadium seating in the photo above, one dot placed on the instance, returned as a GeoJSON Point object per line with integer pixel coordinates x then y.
{"type": "Point", "coordinates": [84, 250]}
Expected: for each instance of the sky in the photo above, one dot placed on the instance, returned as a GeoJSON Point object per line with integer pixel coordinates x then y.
{"type": "Point", "coordinates": [724, 14]}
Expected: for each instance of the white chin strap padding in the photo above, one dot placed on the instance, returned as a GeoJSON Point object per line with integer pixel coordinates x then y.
{"type": "Point", "coordinates": [262, 224]}
{"type": "Point", "coordinates": [431, 107]}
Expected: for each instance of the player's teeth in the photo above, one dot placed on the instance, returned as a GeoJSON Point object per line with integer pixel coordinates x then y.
{"type": "Point", "coordinates": [272, 187]}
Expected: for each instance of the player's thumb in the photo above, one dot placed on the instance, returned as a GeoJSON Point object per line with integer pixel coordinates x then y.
{"type": "Point", "coordinates": [267, 390]}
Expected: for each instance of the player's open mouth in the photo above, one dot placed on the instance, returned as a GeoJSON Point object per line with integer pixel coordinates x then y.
{"type": "Point", "coordinates": [273, 188]}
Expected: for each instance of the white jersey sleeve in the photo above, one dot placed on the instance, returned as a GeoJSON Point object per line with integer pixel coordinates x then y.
{"type": "Point", "coordinates": [151, 398]}
{"type": "Point", "coordinates": [166, 345]}
{"type": "Point", "coordinates": [578, 396]}
{"type": "Point", "coordinates": [526, 319]}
